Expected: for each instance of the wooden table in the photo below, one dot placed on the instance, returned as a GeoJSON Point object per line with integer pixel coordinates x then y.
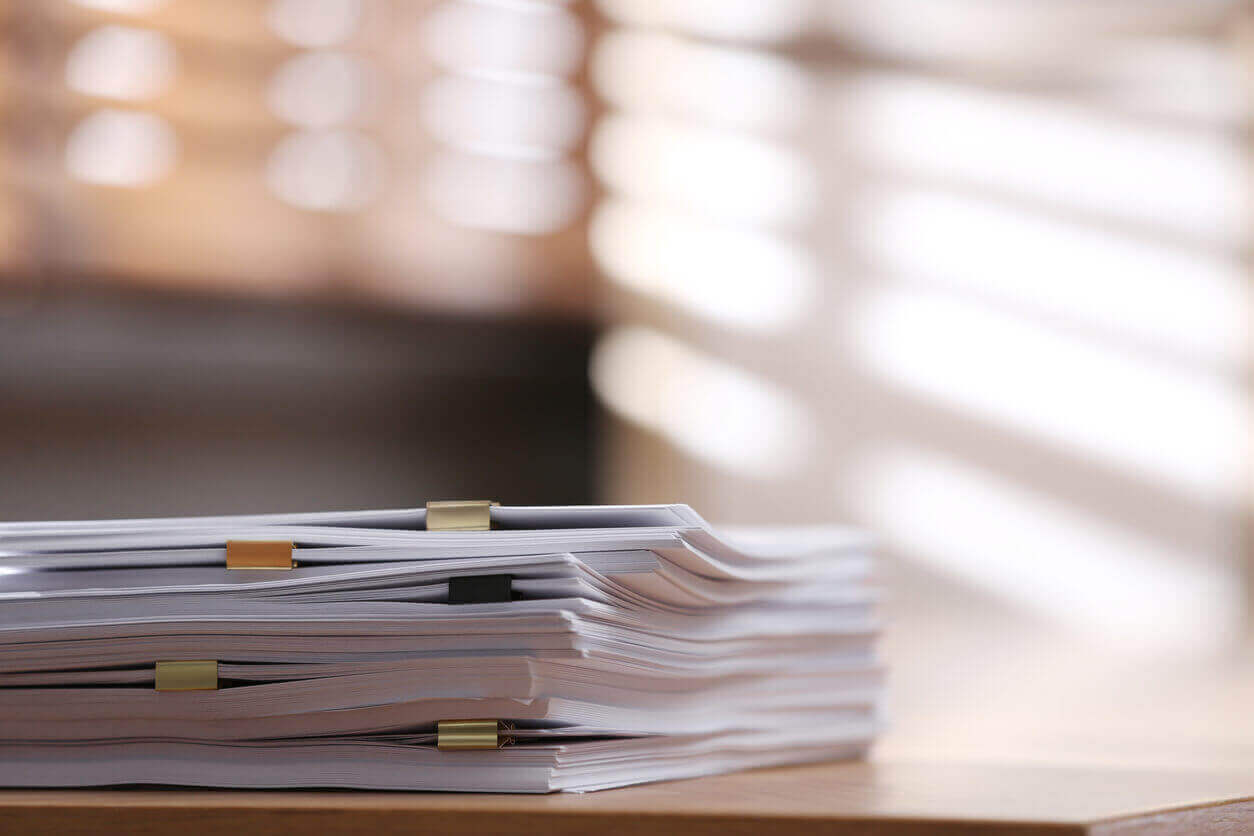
{"type": "Point", "coordinates": [886, 799]}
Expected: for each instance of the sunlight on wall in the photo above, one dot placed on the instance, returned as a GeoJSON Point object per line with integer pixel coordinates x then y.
{"type": "Point", "coordinates": [1056, 561]}
{"type": "Point", "coordinates": [525, 121]}
{"type": "Point", "coordinates": [120, 148]}
{"type": "Point", "coordinates": [1186, 304]}
{"type": "Point", "coordinates": [1180, 427]}
{"type": "Point", "coordinates": [313, 23]}
{"type": "Point", "coordinates": [715, 84]}
{"type": "Point", "coordinates": [111, 146]}
{"type": "Point", "coordinates": [319, 89]}
{"type": "Point", "coordinates": [732, 276]}
{"type": "Point", "coordinates": [706, 200]}
{"type": "Point", "coordinates": [711, 410]}
{"type": "Point", "coordinates": [506, 114]}
{"type": "Point", "coordinates": [984, 34]}
{"type": "Point", "coordinates": [120, 62]}
{"type": "Point", "coordinates": [733, 20]}
{"type": "Point", "coordinates": [1059, 154]}
{"type": "Point", "coordinates": [954, 232]}
{"type": "Point", "coordinates": [714, 173]}
{"type": "Point", "coordinates": [121, 6]}
{"type": "Point", "coordinates": [325, 170]}
{"type": "Point", "coordinates": [325, 163]}
{"type": "Point", "coordinates": [527, 197]}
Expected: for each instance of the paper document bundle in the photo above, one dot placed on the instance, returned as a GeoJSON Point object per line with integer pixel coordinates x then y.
{"type": "Point", "coordinates": [464, 646]}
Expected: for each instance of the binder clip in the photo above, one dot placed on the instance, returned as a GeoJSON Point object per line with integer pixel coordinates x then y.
{"type": "Point", "coordinates": [190, 675]}
{"type": "Point", "coordinates": [460, 515]}
{"type": "Point", "coordinates": [480, 589]}
{"type": "Point", "coordinates": [470, 734]}
{"type": "Point", "coordinates": [259, 554]}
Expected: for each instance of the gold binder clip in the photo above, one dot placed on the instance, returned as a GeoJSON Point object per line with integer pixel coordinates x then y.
{"type": "Point", "coordinates": [259, 554]}
{"type": "Point", "coordinates": [460, 515]}
{"type": "Point", "coordinates": [468, 734]}
{"type": "Point", "coordinates": [191, 675]}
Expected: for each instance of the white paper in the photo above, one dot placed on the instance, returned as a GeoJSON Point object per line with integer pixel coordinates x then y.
{"type": "Point", "coordinates": [639, 645]}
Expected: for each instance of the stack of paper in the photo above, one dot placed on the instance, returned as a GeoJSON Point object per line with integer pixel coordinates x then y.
{"type": "Point", "coordinates": [567, 648]}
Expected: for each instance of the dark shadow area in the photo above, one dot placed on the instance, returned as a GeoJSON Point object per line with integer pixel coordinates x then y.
{"type": "Point", "coordinates": [120, 404]}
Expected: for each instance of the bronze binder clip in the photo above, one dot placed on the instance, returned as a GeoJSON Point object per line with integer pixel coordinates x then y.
{"type": "Point", "coordinates": [460, 515]}
{"type": "Point", "coordinates": [259, 554]}
{"type": "Point", "coordinates": [468, 734]}
{"type": "Point", "coordinates": [191, 675]}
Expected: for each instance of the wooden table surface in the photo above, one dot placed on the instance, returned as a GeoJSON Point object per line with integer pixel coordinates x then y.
{"type": "Point", "coordinates": [886, 799]}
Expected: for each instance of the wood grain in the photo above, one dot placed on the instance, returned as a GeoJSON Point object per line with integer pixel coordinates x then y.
{"type": "Point", "coordinates": [886, 799]}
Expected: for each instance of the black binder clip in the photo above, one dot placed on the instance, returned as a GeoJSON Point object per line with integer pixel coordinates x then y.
{"type": "Point", "coordinates": [481, 589]}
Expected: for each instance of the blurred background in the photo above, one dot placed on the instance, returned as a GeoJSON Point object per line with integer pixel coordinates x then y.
{"type": "Point", "coordinates": [973, 274]}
